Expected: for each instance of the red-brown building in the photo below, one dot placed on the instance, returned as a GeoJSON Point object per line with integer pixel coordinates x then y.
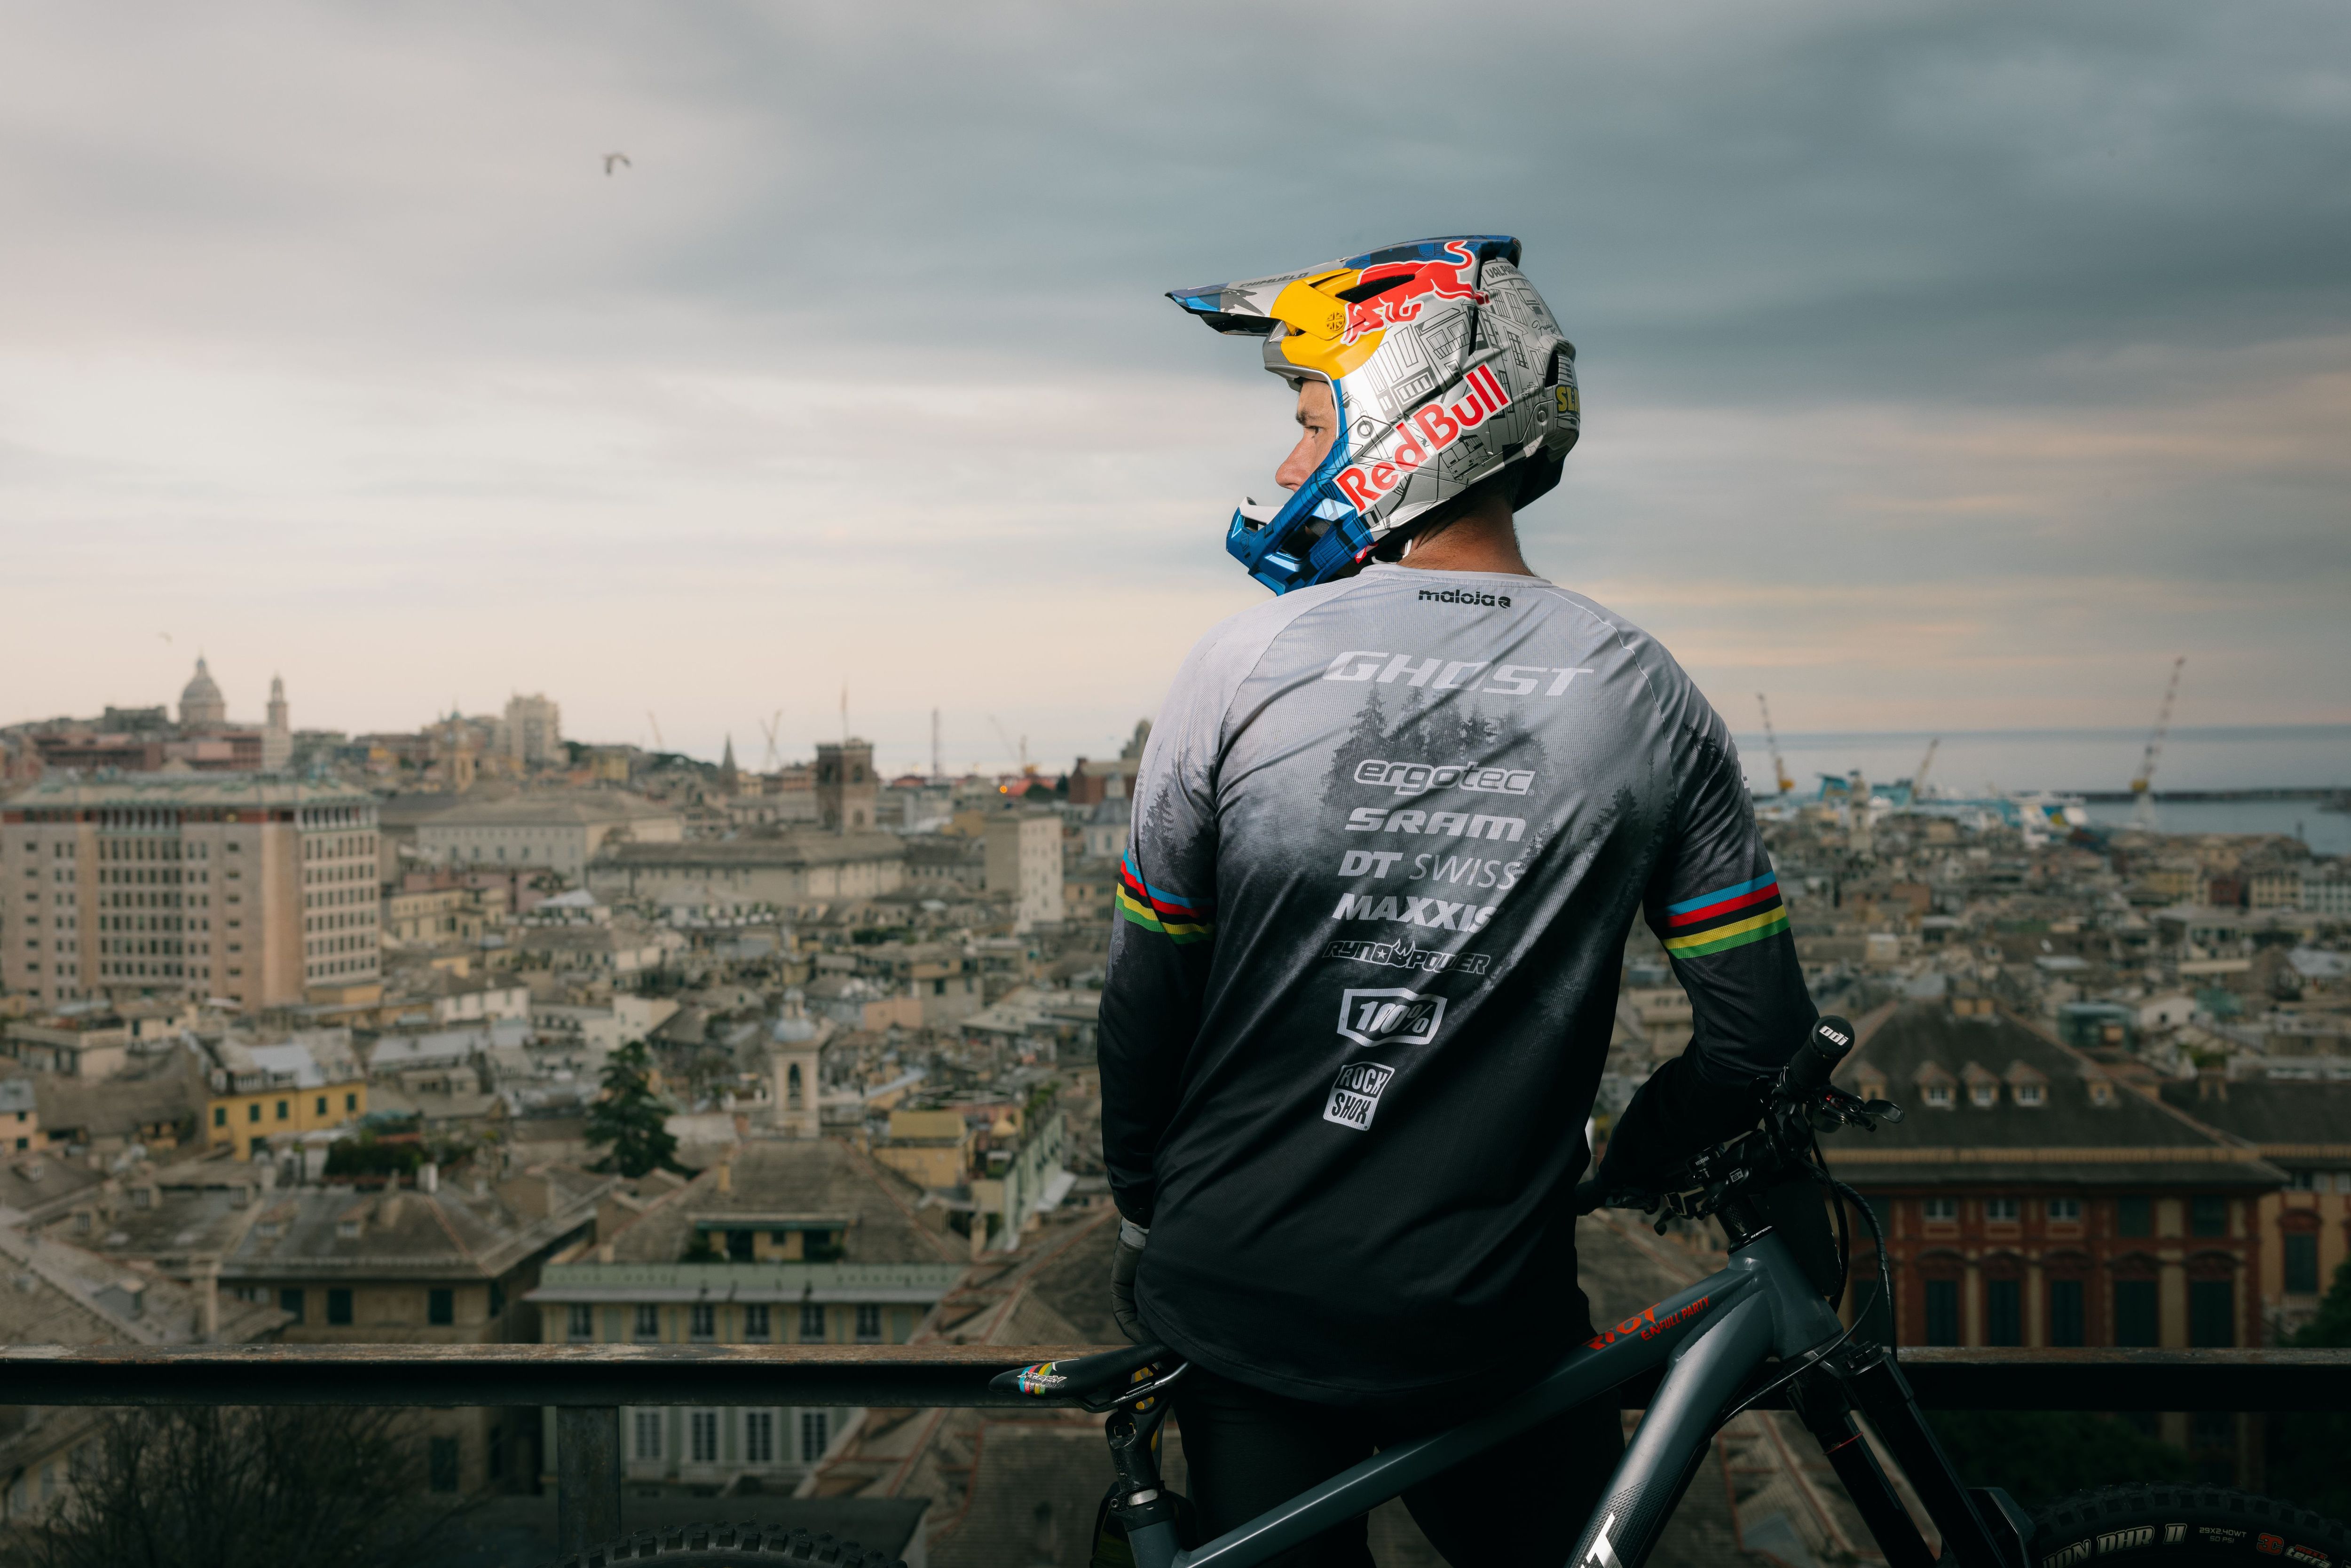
{"type": "Point", "coordinates": [2029, 1199]}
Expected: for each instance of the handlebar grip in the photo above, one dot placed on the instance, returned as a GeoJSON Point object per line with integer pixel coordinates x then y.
{"type": "Point", "coordinates": [1809, 1069]}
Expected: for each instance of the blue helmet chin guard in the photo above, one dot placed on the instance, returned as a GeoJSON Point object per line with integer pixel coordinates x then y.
{"type": "Point", "coordinates": [1445, 368]}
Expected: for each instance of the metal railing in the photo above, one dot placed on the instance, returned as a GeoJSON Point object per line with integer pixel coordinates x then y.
{"type": "Point", "coordinates": [586, 1385]}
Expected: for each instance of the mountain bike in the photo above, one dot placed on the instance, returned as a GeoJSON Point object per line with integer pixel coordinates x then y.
{"type": "Point", "coordinates": [1764, 1324]}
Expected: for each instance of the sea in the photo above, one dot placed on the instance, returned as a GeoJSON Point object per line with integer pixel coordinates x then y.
{"type": "Point", "coordinates": [2013, 761]}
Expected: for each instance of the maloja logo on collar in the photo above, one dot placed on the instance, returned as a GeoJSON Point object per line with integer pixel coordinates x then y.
{"type": "Point", "coordinates": [1422, 436]}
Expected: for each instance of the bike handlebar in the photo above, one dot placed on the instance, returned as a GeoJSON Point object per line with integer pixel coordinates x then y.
{"type": "Point", "coordinates": [1823, 1048]}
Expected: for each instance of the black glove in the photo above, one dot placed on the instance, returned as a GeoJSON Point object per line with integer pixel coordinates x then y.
{"type": "Point", "coordinates": [1122, 1260]}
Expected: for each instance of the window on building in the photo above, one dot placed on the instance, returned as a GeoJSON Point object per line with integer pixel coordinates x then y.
{"type": "Point", "coordinates": [869, 1325]}
{"type": "Point", "coordinates": [702, 1322]}
{"type": "Point", "coordinates": [441, 1308]}
{"type": "Point", "coordinates": [758, 1436]}
{"type": "Point", "coordinates": [2029, 1094]}
{"type": "Point", "coordinates": [815, 1430]}
{"type": "Point", "coordinates": [339, 1307]}
{"type": "Point", "coordinates": [649, 1321]}
{"type": "Point", "coordinates": [284, 1109]}
{"type": "Point", "coordinates": [2065, 1211]}
{"type": "Point", "coordinates": [811, 1323]}
{"type": "Point", "coordinates": [1941, 1210]}
{"type": "Point", "coordinates": [497, 1298]}
{"type": "Point", "coordinates": [2065, 1321]}
{"type": "Point", "coordinates": [2208, 1215]}
{"type": "Point", "coordinates": [2134, 1217]}
{"type": "Point", "coordinates": [2003, 1312]}
{"type": "Point", "coordinates": [758, 1321]}
{"type": "Point", "coordinates": [2211, 1313]}
{"type": "Point", "coordinates": [2136, 1323]}
{"type": "Point", "coordinates": [1942, 1312]}
{"type": "Point", "coordinates": [351, 1102]}
{"type": "Point", "coordinates": [441, 1464]}
{"type": "Point", "coordinates": [253, 1112]}
{"type": "Point", "coordinates": [290, 1300]}
{"type": "Point", "coordinates": [702, 1436]}
{"type": "Point", "coordinates": [580, 1323]}
{"type": "Point", "coordinates": [220, 1116]}
{"type": "Point", "coordinates": [2301, 1262]}
{"type": "Point", "coordinates": [2000, 1210]}
{"type": "Point", "coordinates": [649, 1434]}
{"type": "Point", "coordinates": [321, 1109]}
{"type": "Point", "coordinates": [738, 1245]}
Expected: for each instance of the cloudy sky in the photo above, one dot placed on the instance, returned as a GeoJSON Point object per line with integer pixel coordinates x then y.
{"type": "Point", "coordinates": [1945, 366]}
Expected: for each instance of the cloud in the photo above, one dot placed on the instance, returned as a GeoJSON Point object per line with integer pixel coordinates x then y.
{"type": "Point", "coordinates": [1952, 360]}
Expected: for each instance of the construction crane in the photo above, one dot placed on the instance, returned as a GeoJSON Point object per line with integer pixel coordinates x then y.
{"type": "Point", "coordinates": [659, 744]}
{"type": "Point", "coordinates": [2143, 787]}
{"type": "Point", "coordinates": [1778, 768]}
{"type": "Point", "coordinates": [938, 771]}
{"type": "Point", "coordinates": [1027, 768]}
{"type": "Point", "coordinates": [1918, 780]}
{"type": "Point", "coordinates": [774, 758]}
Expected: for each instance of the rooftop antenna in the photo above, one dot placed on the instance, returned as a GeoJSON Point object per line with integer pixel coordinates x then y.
{"type": "Point", "coordinates": [938, 770]}
{"type": "Point", "coordinates": [2143, 787]}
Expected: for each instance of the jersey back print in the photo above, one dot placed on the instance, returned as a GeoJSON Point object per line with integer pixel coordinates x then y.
{"type": "Point", "coordinates": [1389, 835]}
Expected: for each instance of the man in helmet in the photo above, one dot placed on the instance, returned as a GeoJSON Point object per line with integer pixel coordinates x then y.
{"type": "Point", "coordinates": [1389, 835]}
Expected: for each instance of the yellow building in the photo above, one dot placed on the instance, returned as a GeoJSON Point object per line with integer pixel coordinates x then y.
{"type": "Point", "coordinates": [257, 1092]}
{"type": "Point", "coordinates": [930, 1148]}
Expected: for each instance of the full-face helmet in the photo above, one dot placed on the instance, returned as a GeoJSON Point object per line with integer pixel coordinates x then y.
{"type": "Point", "coordinates": [1445, 369]}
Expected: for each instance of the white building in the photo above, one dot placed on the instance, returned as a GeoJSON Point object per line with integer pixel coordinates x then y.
{"type": "Point", "coordinates": [560, 830]}
{"type": "Point", "coordinates": [1024, 864]}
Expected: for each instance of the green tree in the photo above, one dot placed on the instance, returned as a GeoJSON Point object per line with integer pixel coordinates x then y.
{"type": "Point", "coordinates": [2040, 1456]}
{"type": "Point", "coordinates": [2310, 1451]}
{"type": "Point", "coordinates": [627, 1119]}
{"type": "Point", "coordinates": [204, 1486]}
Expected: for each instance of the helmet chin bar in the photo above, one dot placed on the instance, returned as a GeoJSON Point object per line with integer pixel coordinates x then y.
{"type": "Point", "coordinates": [1316, 535]}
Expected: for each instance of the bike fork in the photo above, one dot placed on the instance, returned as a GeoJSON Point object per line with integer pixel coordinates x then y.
{"type": "Point", "coordinates": [1971, 1539]}
{"type": "Point", "coordinates": [1827, 1414]}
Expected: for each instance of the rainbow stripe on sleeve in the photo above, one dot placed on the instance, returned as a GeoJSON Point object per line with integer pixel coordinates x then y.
{"type": "Point", "coordinates": [1174, 917]}
{"type": "Point", "coordinates": [1726, 918]}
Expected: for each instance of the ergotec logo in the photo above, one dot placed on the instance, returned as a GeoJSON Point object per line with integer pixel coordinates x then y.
{"type": "Point", "coordinates": [1389, 1016]}
{"type": "Point", "coordinates": [1421, 777]}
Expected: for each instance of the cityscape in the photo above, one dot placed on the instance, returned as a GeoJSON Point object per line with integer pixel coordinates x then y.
{"type": "Point", "coordinates": [304, 1035]}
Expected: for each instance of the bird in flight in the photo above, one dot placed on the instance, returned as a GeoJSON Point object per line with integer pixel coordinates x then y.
{"type": "Point", "coordinates": [612, 158]}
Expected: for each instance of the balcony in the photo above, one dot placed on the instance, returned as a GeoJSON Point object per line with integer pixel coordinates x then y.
{"type": "Point", "coordinates": [589, 1384]}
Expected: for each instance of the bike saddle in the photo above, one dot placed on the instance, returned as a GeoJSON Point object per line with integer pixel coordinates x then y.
{"type": "Point", "coordinates": [1097, 1382]}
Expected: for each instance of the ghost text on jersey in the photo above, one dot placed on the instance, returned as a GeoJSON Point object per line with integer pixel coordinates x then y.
{"type": "Point", "coordinates": [1437, 674]}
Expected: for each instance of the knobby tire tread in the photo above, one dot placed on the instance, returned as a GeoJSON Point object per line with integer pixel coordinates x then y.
{"type": "Point", "coordinates": [745, 1545]}
{"type": "Point", "coordinates": [2156, 1525]}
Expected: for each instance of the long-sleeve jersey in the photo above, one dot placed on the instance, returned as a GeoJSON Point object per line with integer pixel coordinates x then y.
{"type": "Point", "coordinates": [1389, 837]}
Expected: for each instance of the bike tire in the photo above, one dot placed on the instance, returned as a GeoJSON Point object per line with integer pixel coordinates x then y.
{"type": "Point", "coordinates": [743, 1545]}
{"type": "Point", "coordinates": [2184, 1527]}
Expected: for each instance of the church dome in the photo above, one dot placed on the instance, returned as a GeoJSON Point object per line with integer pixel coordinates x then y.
{"type": "Point", "coordinates": [201, 702]}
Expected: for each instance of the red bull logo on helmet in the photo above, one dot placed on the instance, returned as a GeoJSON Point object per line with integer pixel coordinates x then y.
{"type": "Point", "coordinates": [1423, 435]}
{"type": "Point", "coordinates": [1408, 283]}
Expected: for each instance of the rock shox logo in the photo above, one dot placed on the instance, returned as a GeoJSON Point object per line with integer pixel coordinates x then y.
{"type": "Point", "coordinates": [1356, 1093]}
{"type": "Point", "coordinates": [1389, 1016]}
{"type": "Point", "coordinates": [1420, 777]}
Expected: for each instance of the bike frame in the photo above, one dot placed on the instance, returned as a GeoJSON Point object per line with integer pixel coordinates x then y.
{"type": "Point", "coordinates": [1712, 1339]}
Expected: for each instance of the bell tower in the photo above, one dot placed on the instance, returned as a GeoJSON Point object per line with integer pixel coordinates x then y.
{"type": "Point", "coordinates": [846, 790]}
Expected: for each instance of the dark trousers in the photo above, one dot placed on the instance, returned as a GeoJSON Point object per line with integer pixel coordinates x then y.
{"type": "Point", "coordinates": [1523, 1502]}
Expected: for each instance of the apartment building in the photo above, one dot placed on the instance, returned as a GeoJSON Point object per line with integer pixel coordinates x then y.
{"type": "Point", "coordinates": [249, 889]}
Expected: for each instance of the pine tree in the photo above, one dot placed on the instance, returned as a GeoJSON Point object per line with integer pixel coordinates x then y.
{"type": "Point", "coordinates": [629, 1116]}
